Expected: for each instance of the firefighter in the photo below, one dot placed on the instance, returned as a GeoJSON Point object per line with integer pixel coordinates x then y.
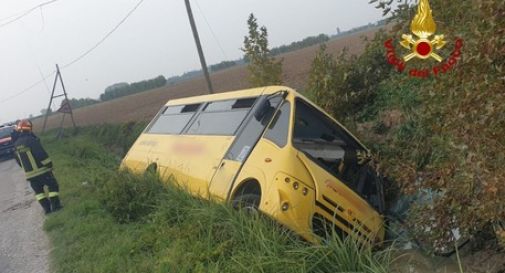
{"type": "Point", "coordinates": [31, 156]}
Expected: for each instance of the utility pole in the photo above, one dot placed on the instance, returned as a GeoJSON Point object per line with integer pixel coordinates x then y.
{"type": "Point", "coordinates": [199, 46]}
{"type": "Point", "coordinates": [65, 107]}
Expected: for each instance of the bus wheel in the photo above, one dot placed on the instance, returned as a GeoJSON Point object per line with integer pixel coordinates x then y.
{"type": "Point", "coordinates": [249, 202]}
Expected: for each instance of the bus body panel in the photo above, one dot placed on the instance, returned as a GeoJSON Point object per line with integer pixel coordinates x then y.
{"type": "Point", "coordinates": [223, 179]}
{"type": "Point", "coordinates": [277, 177]}
{"type": "Point", "coordinates": [190, 161]}
{"type": "Point", "coordinates": [337, 202]}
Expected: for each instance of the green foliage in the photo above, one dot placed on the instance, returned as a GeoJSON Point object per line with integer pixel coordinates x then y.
{"type": "Point", "coordinates": [452, 138]}
{"type": "Point", "coordinates": [125, 89]}
{"type": "Point", "coordinates": [346, 85]}
{"type": "Point", "coordinates": [185, 76]}
{"type": "Point", "coordinates": [77, 103]}
{"type": "Point", "coordinates": [118, 222]}
{"type": "Point", "coordinates": [264, 69]}
{"type": "Point", "coordinates": [443, 135]}
{"type": "Point", "coordinates": [130, 198]}
{"type": "Point", "coordinates": [222, 65]}
{"type": "Point", "coordinates": [117, 137]}
{"type": "Point", "coordinates": [308, 41]}
{"type": "Point", "coordinates": [324, 80]}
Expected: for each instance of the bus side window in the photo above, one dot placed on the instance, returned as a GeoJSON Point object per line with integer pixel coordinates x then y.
{"type": "Point", "coordinates": [173, 119]}
{"type": "Point", "coordinates": [279, 128]}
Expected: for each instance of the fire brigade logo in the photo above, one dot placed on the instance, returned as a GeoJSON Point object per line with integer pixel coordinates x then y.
{"type": "Point", "coordinates": [423, 26]}
{"type": "Point", "coordinates": [424, 43]}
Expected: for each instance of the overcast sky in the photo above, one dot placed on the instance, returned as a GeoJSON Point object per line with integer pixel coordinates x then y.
{"type": "Point", "coordinates": [155, 40]}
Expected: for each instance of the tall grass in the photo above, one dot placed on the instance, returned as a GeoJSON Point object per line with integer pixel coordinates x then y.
{"type": "Point", "coordinates": [119, 222]}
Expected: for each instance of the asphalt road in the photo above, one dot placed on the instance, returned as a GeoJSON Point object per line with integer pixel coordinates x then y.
{"type": "Point", "coordinates": [24, 246]}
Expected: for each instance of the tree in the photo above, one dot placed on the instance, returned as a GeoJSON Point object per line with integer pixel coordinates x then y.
{"type": "Point", "coordinates": [124, 89]}
{"type": "Point", "coordinates": [345, 85]}
{"type": "Point", "coordinates": [264, 69]}
{"type": "Point", "coordinates": [77, 103]}
{"type": "Point", "coordinates": [323, 79]}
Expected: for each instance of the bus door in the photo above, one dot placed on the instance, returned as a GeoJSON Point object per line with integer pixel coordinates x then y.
{"type": "Point", "coordinates": [244, 143]}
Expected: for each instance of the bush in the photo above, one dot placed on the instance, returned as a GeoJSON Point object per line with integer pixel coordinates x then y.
{"type": "Point", "coordinates": [346, 85]}
{"type": "Point", "coordinates": [118, 137]}
{"type": "Point", "coordinates": [131, 198]}
{"type": "Point", "coordinates": [452, 142]}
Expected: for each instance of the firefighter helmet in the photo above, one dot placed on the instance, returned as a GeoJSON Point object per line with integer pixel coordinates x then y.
{"type": "Point", "coordinates": [24, 125]}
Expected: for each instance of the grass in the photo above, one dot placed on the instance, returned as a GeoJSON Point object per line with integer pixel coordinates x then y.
{"type": "Point", "coordinates": [118, 222]}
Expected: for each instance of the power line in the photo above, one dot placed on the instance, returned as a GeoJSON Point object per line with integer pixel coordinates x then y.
{"type": "Point", "coordinates": [27, 89]}
{"type": "Point", "coordinates": [105, 37]}
{"type": "Point", "coordinates": [211, 31]}
{"type": "Point", "coordinates": [19, 17]}
{"type": "Point", "coordinates": [44, 80]}
{"type": "Point", "coordinates": [80, 57]}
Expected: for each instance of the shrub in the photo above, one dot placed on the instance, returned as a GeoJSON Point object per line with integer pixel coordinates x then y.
{"type": "Point", "coordinates": [346, 85]}
{"type": "Point", "coordinates": [131, 198]}
{"type": "Point", "coordinates": [118, 137]}
{"type": "Point", "coordinates": [457, 148]}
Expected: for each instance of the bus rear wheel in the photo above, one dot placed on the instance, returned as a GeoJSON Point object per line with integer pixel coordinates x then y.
{"type": "Point", "coordinates": [249, 202]}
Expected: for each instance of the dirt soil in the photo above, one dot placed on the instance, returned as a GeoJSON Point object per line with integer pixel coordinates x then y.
{"type": "Point", "coordinates": [482, 261]}
{"type": "Point", "coordinates": [144, 106]}
{"type": "Point", "coordinates": [24, 246]}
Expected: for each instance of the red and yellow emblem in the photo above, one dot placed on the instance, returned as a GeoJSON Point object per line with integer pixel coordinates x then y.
{"type": "Point", "coordinates": [423, 26]}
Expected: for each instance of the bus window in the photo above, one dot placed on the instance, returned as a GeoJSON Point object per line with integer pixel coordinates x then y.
{"type": "Point", "coordinates": [279, 128]}
{"type": "Point", "coordinates": [323, 140]}
{"type": "Point", "coordinates": [221, 117]}
{"type": "Point", "coordinates": [173, 119]}
{"type": "Point", "coordinates": [254, 128]}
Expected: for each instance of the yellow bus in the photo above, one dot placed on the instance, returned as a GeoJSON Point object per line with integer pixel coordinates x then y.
{"type": "Point", "coordinates": [270, 149]}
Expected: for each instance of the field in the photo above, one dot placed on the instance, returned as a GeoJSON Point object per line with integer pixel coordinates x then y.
{"type": "Point", "coordinates": [143, 106]}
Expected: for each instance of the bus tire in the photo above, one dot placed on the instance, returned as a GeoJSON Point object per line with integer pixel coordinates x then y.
{"type": "Point", "coordinates": [249, 202]}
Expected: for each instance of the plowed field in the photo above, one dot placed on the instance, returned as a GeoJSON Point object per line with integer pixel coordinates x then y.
{"type": "Point", "coordinates": [144, 106]}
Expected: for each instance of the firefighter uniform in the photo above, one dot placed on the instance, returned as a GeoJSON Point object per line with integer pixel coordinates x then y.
{"type": "Point", "coordinates": [32, 157]}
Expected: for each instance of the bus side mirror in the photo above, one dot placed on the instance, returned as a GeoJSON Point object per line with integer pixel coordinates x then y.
{"type": "Point", "coordinates": [263, 108]}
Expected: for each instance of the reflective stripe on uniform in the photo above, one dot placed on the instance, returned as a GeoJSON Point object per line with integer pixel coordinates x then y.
{"type": "Point", "coordinates": [31, 166]}
{"type": "Point", "coordinates": [33, 170]}
{"type": "Point", "coordinates": [46, 161]}
{"type": "Point", "coordinates": [53, 194]}
{"type": "Point", "coordinates": [40, 196]}
{"type": "Point", "coordinates": [32, 160]}
{"type": "Point", "coordinates": [38, 172]}
{"type": "Point", "coordinates": [21, 149]}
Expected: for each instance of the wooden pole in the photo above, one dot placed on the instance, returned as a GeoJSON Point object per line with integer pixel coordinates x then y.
{"type": "Point", "coordinates": [58, 76]}
{"type": "Point", "coordinates": [50, 100]}
{"type": "Point", "coordinates": [199, 46]}
{"type": "Point", "coordinates": [66, 97]}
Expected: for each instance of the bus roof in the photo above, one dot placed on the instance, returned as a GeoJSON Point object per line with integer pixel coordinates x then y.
{"type": "Point", "coordinates": [230, 95]}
